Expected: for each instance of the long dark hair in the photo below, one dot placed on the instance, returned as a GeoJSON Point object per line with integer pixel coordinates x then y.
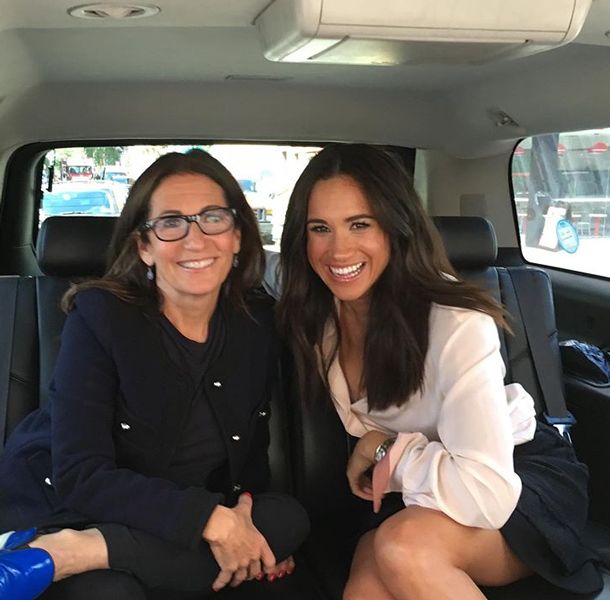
{"type": "Point", "coordinates": [126, 273]}
{"type": "Point", "coordinates": [418, 274]}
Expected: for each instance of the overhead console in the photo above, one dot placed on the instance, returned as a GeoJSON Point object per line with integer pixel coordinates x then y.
{"type": "Point", "coordinates": [391, 32]}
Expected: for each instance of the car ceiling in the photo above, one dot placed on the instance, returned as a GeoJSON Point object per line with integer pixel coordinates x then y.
{"type": "Point", "coordinates": [197, 70]}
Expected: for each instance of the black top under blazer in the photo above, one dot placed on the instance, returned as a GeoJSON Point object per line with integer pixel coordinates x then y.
{"type": "Point", "coordinates": [118, 405]}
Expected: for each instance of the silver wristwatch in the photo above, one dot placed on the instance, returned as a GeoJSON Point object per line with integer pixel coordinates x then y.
{"type": "Point", "coordinates": [383, 448]}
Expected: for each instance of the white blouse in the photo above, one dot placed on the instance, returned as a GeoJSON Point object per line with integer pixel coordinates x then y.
{"type": "Point", "coordinates": [457, 434]}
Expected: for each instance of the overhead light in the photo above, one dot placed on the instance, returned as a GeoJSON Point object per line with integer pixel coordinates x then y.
{"type": "Point", "coordinates": [502, 119]}
{"type": "Point", "coordinates": [105, 10]}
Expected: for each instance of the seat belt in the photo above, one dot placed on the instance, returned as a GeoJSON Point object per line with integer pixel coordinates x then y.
{"type": "Point", "coordinates": [8, 303]}
{"type": "Point", "coordinates": [550, 379]}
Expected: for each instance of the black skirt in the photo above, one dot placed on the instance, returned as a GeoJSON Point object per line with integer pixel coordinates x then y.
{"type": "Point", "coordinates": [545, 530]}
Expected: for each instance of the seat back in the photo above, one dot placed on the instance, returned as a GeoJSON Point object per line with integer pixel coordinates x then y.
{"type": "Point", "coordinates": [18, 352]}
{"type": "Point", "coordinates": [68, 249]}
{"type": "Point", "coordinates": [472, 249]}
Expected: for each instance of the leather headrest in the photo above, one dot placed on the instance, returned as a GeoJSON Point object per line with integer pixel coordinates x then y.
{"type": "Point", "coordinates": [77, 246]}
{"type": "Point", "coordinates": [74, 246]}
{"type": "Point", "coordinates": [469, 241]}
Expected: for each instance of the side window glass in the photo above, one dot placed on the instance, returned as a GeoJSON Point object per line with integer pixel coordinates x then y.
{"type": "Point", "coordinates": [561, 187]}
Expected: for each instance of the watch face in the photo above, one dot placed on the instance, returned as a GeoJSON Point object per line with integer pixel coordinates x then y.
{"type": "Point", "coordinates": [383, 448]}
{"type": "Point", "coordinates": [380, 453]}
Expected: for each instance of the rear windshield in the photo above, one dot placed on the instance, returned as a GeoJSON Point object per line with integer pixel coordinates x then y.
{"type": "Point", "coordinates": [265, 172]}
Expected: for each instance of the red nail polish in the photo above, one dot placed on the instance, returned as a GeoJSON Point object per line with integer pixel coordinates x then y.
{"type": "Point", "coordinates": [281, 574]}
{"type": "Point", "coordinates": [248, 494]}
{"type": "Point", "coordinates": [271, 577]}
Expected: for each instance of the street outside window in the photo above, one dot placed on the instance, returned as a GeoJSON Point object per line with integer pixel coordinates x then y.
{"type": "Point", "coordinates": [561, 191]}
{"type": "Point", "coordinates": [95, 181]}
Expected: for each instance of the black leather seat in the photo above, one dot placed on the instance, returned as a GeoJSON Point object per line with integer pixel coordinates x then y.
{"type": "Point", "coordinates": [18, 352]}
{"type": "Point", "coordinates": [68, 249]}
{"type": "Point", "coordinates": [309, 446]}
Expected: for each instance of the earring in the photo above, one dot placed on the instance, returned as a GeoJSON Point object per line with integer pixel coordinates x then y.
{"type": "Point", "coordinates": [235, 260]}
{"type": "Point", "coordinates": [150, 274]}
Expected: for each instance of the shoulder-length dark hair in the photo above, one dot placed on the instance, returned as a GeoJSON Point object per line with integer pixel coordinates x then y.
{"type": "Point", "coordinates": [126, 273]}
{"type": "Point", "coordinates": [418, 274]}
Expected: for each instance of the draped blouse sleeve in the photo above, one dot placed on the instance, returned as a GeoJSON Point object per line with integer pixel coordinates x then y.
{"type": "Point", "coordinates": [468, 472]}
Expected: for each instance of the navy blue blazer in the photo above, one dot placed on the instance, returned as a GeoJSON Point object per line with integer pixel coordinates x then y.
{"type": "Point", "coordinates": [102, 446]}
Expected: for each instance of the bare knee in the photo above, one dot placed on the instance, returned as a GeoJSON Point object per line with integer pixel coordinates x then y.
{"type": "Point", "coordinates": [407, 548]}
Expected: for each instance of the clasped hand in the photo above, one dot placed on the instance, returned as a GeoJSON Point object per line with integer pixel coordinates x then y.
{"type": "Point", "coordinates": [238, 546]}
{"type": "Point", "coordinates": [359, 466]}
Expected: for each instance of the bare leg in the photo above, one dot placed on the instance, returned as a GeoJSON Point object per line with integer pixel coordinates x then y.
{"type": "Point", "coordinates": [364, 580]}
{"type": "Point", "coordinates": [74, 552]}
{"type": "Point", "coordinates": [421, 554]}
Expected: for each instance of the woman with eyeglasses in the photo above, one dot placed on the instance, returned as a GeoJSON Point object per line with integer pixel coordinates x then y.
{"type": "Point", "coordinates": [157, 425]}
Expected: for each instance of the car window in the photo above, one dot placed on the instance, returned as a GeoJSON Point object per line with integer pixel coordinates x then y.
{"type": "Point", "coordinates": [561, 192]}
{"type": "Point", "coordinates": [95, 181]}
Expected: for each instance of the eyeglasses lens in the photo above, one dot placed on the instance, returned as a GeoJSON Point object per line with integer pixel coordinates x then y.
{"type": "Point", "coordinates": [210, 222]}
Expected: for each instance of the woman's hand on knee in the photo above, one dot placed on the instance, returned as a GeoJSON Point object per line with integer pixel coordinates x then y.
{"type": "Point", "coordinates": [238, 547]}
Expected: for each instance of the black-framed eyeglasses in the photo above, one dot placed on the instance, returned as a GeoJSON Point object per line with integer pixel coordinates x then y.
{"type": "Point", "coordinates": [211, 221]}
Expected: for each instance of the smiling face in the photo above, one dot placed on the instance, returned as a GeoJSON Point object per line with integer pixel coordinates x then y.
{"type": "Point", "coordinates": [196, 266]}
{"type": "Point", "coordinates": [346, 245]}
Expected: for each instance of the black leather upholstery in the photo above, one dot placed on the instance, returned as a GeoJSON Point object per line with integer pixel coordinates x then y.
{"type": "Point", "coordinates": [74, 246]}
{"type": "Point", "coordinates": [68, 248]}
{"type": "Point", "coordinates": [309, 445]}
{"type": "Point", "coordinates": [470, 242]}
{"type": "Point", "coordinates": [49, 291]}
{"type": "Point", "coordinates": [23, 349]}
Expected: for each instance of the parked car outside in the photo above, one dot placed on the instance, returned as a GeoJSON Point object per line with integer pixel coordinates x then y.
{"type": "Point", "coordinates": [80, 199]}
{"type": "Point", "coordinates": [115, 173]}
{"type": "Point", "coordinates": [78, 172]}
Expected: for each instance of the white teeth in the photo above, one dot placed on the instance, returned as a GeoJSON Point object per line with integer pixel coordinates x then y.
{"type": "Point", "coordinates": [344, 271]}
{"type": "Point", "coordinates": [197, 264]}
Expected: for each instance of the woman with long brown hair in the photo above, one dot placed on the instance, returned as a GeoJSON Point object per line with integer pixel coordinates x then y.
{"type": "Point", "coordinates": [409, 355]}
